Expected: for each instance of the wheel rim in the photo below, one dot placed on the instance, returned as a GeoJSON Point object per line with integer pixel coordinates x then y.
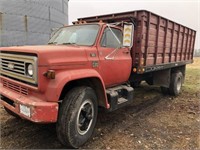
{"type": "Point", "coordinates": [85, 117]}
{"type": "Point", "coordinates": [179, 84]}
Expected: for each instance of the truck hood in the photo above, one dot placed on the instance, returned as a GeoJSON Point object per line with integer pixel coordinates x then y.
{"type": "Point", "coordinates": [53, 54]}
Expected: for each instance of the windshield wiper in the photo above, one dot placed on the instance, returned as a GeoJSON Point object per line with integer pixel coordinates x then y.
{"type": "Point", "coordinates": [69, 43]}
{"type": "Point", "coordinates": [52, 43]}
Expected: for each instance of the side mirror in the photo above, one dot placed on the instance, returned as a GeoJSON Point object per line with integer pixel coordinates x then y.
{"type": "Point", "coordinates": [128, 35]}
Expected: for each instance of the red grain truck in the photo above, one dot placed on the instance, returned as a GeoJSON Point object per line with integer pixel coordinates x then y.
{"type": "Point", "coordinates": [93, 63]}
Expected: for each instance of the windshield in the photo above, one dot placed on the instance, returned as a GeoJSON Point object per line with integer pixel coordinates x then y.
{"type": "Point", "coordinates": [78, 35]}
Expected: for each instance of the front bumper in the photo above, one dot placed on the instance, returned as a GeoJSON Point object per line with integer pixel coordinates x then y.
{"type": "Point", "coordinates": [40, 111]}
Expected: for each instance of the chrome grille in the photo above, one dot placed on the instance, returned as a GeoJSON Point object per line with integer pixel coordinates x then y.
{"type": "Point", "coordinates": [18, 66]}
{"type": "Point", "coordinates": [14, 66]}
{"type": "Point", "coordinates": [15, 87]}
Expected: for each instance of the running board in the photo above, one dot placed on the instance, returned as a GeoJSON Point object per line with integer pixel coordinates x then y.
{"type": "Point", "coordinates": [119, 96]}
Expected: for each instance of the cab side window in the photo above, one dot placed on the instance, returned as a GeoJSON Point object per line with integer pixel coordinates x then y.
{"type": "Point", "coordinates": [109, 40]}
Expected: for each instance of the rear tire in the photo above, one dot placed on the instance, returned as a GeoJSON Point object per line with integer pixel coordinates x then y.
{"type": "Point", "coordinates": [176, 83]}
{"type": "Point", "coordinates": [77, 117]}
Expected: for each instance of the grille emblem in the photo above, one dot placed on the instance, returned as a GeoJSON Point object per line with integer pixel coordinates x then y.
{"type": "Point", "coordinates": [11, 66]}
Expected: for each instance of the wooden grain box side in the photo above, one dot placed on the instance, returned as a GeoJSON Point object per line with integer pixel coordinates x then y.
{"type": "Point", "coordinates": [163, 41]}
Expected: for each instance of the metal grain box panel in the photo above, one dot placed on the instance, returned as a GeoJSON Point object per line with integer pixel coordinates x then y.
{"type": "Point", "coordinates": [157, 40]}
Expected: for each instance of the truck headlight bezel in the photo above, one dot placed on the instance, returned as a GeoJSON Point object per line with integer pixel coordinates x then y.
{"type": "Point", "coordinates": [29, 69]}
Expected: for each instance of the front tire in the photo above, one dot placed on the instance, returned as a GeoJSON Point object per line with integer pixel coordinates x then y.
{"type": "Point", "coordinates": [77, 117]}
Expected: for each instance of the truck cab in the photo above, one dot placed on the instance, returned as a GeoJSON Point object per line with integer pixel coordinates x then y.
{"type": "Point", "coordinates": [104, 49]}
{"type": "Point", "coordinates": [79, 60]}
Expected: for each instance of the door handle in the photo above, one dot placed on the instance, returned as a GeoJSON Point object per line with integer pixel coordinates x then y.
{"type": "Point", "coordinates": [126, 52]}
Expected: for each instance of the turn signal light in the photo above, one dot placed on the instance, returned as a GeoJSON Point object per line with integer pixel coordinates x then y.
{"type": "Point", "coordinates": [50, 74]}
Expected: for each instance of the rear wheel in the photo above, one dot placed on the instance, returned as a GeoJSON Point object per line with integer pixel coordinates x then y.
{"type": "Point", "coordinates": [77, 117]}
{"type": "Point", "coordinates": [176, 83]}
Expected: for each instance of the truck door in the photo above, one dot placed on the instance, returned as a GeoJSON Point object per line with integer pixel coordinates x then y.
{"type": "Point", "coordinates": [115, 60]}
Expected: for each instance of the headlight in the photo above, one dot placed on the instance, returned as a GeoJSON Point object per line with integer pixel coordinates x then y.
{"type": "Point", "coordinates": [30, 70]}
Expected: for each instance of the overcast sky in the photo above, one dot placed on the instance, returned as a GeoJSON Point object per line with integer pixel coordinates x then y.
{"type": "Point", "coordinates": [186, 12]}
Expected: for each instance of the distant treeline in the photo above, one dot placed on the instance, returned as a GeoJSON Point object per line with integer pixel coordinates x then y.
{"type": "Point", "coordinates": [197, 53]}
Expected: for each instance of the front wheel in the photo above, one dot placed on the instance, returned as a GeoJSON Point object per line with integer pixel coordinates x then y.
{"type": "Point", "coordinates": [77, 117]}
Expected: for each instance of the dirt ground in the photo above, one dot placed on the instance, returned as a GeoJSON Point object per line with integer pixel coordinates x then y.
{"type": "Point", "coordinates": [153, 121]}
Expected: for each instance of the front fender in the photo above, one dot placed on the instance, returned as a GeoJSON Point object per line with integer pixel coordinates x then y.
{"type": "Point", "coordinates": [56, 85]}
